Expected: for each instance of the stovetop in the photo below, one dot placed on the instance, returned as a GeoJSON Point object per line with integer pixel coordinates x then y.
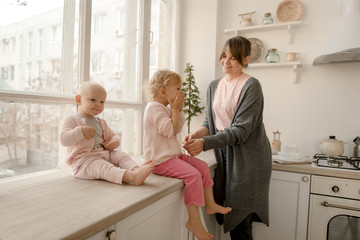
{"type": "Point", "coordinates": [339, 162]}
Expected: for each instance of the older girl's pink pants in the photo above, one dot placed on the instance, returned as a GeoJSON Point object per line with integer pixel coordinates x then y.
{"type": "Point", "coordinates": [195, 174]}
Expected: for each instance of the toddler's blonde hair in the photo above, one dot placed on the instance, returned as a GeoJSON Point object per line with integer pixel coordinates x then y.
{"type": "Point", "coordinates": [162, 78]}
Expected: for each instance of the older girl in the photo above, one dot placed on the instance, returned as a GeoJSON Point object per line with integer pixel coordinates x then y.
{"type": "Point", "coordinates": [161, 125]}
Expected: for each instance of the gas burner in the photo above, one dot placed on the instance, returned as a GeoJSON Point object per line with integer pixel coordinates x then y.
{"type": "Point", "coordinates": [340, 162]}
{"type": "Point", "coordinates": [330, 157]}
{"type": "Point", "coordinates": [355, 161]}
{"type": "Point", "coordinates": [335, 163]}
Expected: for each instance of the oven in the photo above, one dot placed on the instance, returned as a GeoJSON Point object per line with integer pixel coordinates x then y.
{"type": "Point", "coordinates": [334, 209]}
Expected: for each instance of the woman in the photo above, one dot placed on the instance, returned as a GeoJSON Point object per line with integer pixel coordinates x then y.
{"type": "Point", "coordinates": [234, 128]}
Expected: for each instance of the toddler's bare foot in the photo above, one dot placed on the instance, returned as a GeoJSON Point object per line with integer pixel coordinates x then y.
{"type": "Point", "coordinates": [215, 208]}
{"type": "Point", "coordinates": [138, 175]}
{"type": "Point", "coordinates": [198, 230]}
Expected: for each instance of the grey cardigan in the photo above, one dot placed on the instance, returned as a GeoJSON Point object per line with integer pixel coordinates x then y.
{"type": "Point", "coordinates": [242, 178]}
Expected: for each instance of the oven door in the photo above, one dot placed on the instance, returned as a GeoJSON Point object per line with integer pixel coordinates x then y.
{"type": "Point", "coordinates": [338, 220]}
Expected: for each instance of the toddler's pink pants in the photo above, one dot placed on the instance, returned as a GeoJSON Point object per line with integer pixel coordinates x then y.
{"type": "Point", "coordinates": [193, 171]}
{"type": "Point", "coordinates": [102, 164]}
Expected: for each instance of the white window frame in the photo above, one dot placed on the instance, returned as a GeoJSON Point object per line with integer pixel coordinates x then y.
{"type": "Point", "coordinates": [84, 61]}
{"type": "Point", "coordinates": [84, 40]}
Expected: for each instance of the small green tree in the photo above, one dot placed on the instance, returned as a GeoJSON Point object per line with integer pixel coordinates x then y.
{"type": "Point", "coordinates": [191, 93]}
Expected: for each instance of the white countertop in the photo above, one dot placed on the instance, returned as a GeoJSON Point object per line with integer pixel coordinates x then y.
{"type": "Point", "coordinates": [314, 170]}
{"type": "Point", "coordinates": [55, 205]}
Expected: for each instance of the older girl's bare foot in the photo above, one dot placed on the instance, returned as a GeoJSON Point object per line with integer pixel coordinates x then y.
{"type": "Point", "coordinates": [198, 230]}
{"type": "Point", "coordinates": [215, 208]}
{"type": "Point", "coordinates": [138, 175]}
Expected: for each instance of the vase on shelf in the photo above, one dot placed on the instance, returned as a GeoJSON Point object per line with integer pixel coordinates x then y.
{"type": "Point", "coordinates": [267, 19]}
{"type": "Point", "coordinates": [272, 56]}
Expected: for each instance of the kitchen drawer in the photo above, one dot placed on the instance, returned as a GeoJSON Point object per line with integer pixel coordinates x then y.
{"type": "Point", "coordinates": [335, 187]}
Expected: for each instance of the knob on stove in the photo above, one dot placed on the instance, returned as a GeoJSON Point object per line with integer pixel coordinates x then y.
{"type": "Point", "coordinates": [335, 189]}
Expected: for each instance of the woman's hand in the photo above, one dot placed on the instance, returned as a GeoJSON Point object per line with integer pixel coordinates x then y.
{"type": "Point", "coordinates": [194, 146]}
{"type": "Point", "coordinates": [201, 132]}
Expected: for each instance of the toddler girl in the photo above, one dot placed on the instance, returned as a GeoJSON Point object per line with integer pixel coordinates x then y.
{"type": "Point", "coordinates": [161, 125]}
{"type": "Point", "coordinates": [91, 143]}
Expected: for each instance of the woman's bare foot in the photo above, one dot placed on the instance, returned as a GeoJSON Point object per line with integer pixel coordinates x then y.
{"type": "Point", "coordinates": [138, 175]}
{"type": "Point", "coordinates": [198, 230]}
{"type": "Point", "coordinates": [215, 208]}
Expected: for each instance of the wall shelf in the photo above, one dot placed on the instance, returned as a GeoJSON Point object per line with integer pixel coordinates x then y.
{"type": "Point", "coordinates": [294, 65]}
{"type": "Point", "coordinates": [256, 28]}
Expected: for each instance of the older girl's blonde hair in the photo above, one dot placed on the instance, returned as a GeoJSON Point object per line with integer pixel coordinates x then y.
{"type": "Point", "coordinates": [162, 78]}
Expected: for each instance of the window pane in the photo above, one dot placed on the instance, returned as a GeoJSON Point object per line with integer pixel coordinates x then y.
{"type": "Point", "coordinates": [114, 60]}
{"type": "Point", "coordinates": [31, 33]}
{"type": "Point", "coordinates": [29, 137]}
{"type": "Point", "coordinates": [123, 122]}
{"type": "Point", "coordinates": [163, 30]}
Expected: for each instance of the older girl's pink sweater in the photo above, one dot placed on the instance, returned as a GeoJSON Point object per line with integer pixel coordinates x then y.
{"type": "Point", "coordinates": [160, 142]}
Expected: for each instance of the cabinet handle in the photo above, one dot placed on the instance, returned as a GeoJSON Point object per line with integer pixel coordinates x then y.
{"type": "Point", "coordinates": [326, 204]}
{"type": "Point", "coordinates": [111, 235]}
{"type": "Point", "coordinates": [305, 179]}
{"type": "Point", "coordinates": [335, 189]}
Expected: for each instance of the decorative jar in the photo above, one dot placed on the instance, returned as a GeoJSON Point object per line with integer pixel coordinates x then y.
{"type": "Point", "coordinates": [267, 19]}
{"type": "Point", "coordinates": [272, 56]}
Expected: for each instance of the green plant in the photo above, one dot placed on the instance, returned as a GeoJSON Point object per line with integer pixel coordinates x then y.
{"type": "Point", "coordinates": [191, 93]}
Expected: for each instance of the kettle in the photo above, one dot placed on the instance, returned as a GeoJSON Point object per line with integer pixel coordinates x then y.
{"type": "Point", "coordinates": [356, 152]}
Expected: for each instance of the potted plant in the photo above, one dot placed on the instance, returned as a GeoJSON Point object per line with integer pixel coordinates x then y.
{"type": "Point", "coordinates": [191, 93]}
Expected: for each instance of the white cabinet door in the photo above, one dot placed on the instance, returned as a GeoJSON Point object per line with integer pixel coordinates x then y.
{"type": "Point", "coordinates": [107, 234]}
{"type": "Point", "coordinates": [289, 202]}
{"type": "Point", "coordinates": [162, 220]}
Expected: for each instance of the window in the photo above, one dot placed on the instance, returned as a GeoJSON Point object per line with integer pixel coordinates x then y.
{"type": "Point", "coordinates": [120, 21]}
{"type": "Point", "coordinates": [12, 72]}
{"type": "Point", "coordinates": [4, 73]}
{"type": "Point", "coordinates": [56, 33]}
{"type": "Point", "coordinates": [40, 41]}
{"type": "Point", "coordinates": [12, 44]}
{"type": "Point", "coordinates": [99, 24]}
{"type": "Point", "coordinates": [55, 51]}
{"type": "Point", "coordinates": [30, 46]}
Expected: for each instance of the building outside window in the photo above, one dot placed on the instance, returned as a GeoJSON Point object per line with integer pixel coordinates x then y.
{"type": "Point", "coordinates": [39, 77]}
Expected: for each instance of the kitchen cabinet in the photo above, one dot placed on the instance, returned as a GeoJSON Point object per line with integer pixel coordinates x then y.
{"type": "Point", "coordinates": [289, 201]}
{"type": "Point", "coordinates": [107, 234]}
{"type": "Point", "coordinates": [162, 220]}
{"type": "Point", "coordinates": [289, 26]}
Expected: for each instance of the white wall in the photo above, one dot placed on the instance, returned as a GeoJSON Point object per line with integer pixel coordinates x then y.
{"type": "Point", "coordinates": [324, 101]}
